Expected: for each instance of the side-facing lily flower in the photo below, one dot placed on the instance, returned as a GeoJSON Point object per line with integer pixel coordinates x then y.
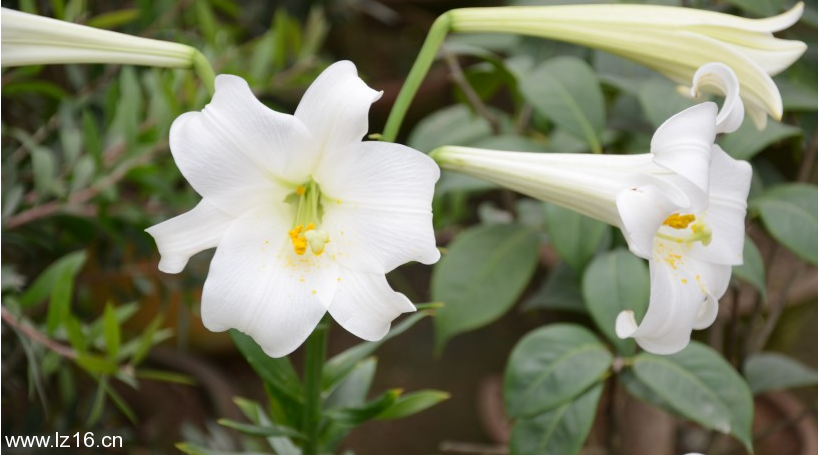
{"type": "Point", "coordinates": [305, 217]}
{"type": "Point", "coordinates": [29, 39]}
{"type": "Point", "coordinates": [681, 206]}
{"type": "Point", "coordinates": [672, 40]}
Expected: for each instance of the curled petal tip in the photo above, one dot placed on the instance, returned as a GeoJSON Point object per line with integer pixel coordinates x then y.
{"type": "Point", "coordinates": [626, 324]}
{"type": "Point", "coordinates": [723, 79]}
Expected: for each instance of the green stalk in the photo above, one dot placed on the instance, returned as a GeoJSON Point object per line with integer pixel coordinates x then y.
{"type": "Point", "coordinates": [205, 72]}
{"type": "Point", "coordinates": [316, 348]}
{"type": "Point", "coordinates": [423, 62]}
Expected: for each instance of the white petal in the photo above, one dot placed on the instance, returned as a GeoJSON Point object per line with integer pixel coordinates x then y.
{"type": "Point", "coordinates": [377, 240]}
{"type": "Point", "coordinates": [682, 144]}
{"type": "Point", "coordinates": [728, 206]}
{"type": "Point", "coordinates": [181, 237]}
{"type": "Point", "coordinates": [378, 205]}
{"type": "Point", "coordinates": [643, 209]}
{"type": "Point", "coordinates": [378, 174]}
{"type": "Point", "coordinates": [714, 280]}
{"type": "Point", "coordinates": [258, 285]}
{"type": "Point", "coordinates": [236, 151]}
{"type": "Point", "coordinates": [674, 306]}
{"type": "Point", "coordinates": [723, 78]}
{"type": "Point", "coordinates": [335, 107]}
{"type": "Point", "coordinates": [365, 305]}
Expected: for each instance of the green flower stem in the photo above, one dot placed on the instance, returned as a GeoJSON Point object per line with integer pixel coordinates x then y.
{"type": "Point", "coordinates": [423, 62]}
{"type": "Point", "coordinates": [205, 72]}
{"type": "Point", "coordinates": [316, 348]}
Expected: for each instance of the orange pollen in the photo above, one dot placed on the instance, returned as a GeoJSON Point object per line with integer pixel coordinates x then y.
{"type": "Point", "coordinates": [677, 221]}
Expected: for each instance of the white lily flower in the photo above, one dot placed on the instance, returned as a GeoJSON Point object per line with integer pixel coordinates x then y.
{"type": "Point", "coordinates": [29, 39]}
{"type": "Point", "coordinates": [681, 206]}
{"type": "Point", "coordinates": [672, 40]}
{"type": "Point", "coordinates": [305, 217]}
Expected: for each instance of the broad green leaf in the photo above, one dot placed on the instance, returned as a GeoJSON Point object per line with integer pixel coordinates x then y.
{"type": "Point", "coordinates": [413, 403]}
{"type": "Point", "coordinates": [566, 90]}
{"type": "Point", "coordinates": [277, 373]}
{"type": "Point", "coordinates": [560, 431]}
{"type": "Point", "coordinates": [258, 430]}
{"type": "Point", "coordinates": [747, 141]}
{"type": "Point", "coordinates": [551, 366]}
{"type": "Point", "coordinates": [453, 125]}
{"type": "Point", "coordinates": [614, 282]}
{"type": "Point", "coordinates": [767, 371]}
{"type": "Point", "coordinates": [797, 96]}
{"type": "Point", "coordinates": [575, 237]}
{"type": "Point", "coordinates": [638, 389]}
{"type": "Point", "coordinates": [360, 414]}
{"type": "Point", "coordinates": [761, 8]}
{"type": "Point", "coordinates": [790, 213]}
{"type": "Point", "coordinates": [752, 270]}
{"type": "Point", "coordinates": [699, 384]}
{"type": "Point", "coordinates": [510, 142]}
{"type": "Point", "coordinates": [482, 275]}
{"type": "Point", "coordinates": [336, 368]}
{"type": "Point", "coordinates": [660, 100]}
{"type": "Point", "coordinates": [561, 291]}
{"type": "Point", "coordinates": [453, 181]}
{"type": "Point", "coordinates": [621, 73]}
{"type": "Point", "coordinates": [112, 333]}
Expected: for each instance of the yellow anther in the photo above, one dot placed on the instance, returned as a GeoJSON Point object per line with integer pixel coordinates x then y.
{"type": "Point", "coordinates": [300, 190]}
{"type": "Point", "coordinates": [302, 237]}
{"type": "Point", "coordinates": [677, 221]}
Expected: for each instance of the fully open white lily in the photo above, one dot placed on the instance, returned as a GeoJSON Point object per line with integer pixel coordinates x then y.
{"type": "Point", "coordinates": [304, 216]}
{"type": "Point", "coordinates": [672, 40]}
{"type": "Point", "coordinates": [681, 206]}
{"type": "Point", "coordinates": [29, 39]}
